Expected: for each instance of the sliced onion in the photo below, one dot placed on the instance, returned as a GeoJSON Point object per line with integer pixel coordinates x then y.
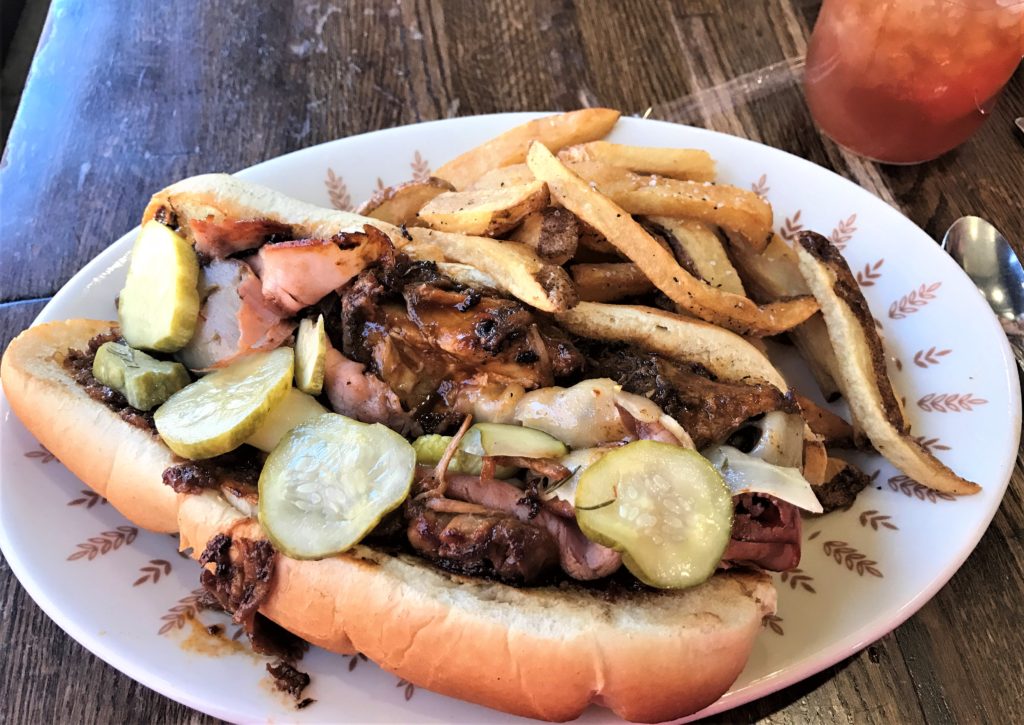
{"type": "Point", "coordinates": [577, 461]}
{"type": "Point", "coordinates": [744, 473]}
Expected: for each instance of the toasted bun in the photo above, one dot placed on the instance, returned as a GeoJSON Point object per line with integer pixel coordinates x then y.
{"type": "Point", "coordinates": [220, 196]}
{"type": "Point", "coordinates": [541, 652]}
{"type": "Point", "coordinates": [117, 460]}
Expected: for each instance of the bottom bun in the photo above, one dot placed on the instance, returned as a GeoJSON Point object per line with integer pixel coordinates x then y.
{"type": "Point", "coordinates": [120, 462]}
{"type": "Point", "coordinates": [542, 652]}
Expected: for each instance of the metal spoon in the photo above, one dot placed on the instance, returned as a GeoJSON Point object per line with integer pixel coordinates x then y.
{"type": "Point", "coordinates": [993, 266]}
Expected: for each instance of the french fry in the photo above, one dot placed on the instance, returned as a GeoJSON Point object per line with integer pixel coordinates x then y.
{"type": "Point", "coordinates": [609, 282]}
{"type": "Point", "coordinates": [773, 274]}
{"type": "Point", "coordinates": [398, 204]}
{"type": "Point", "coordinates": [468, 275]}
{"type": "Point", "coordinates": [555, 132]}
{"type": "Point", "coordinates": [691, 164]}
{"type": "Point", "coordinates": [594, 241]}
{"type": "Point", "coordinates": [861, 366]}
{"type": "Point", "coordinates": [484, 212]}
{"type": "Point", "coordinates": [835, 431]}
{"type": "Point", "coordinates": [696, 296]}
{"type": "Point", "coordinates": [727, 355]}
{"type": "Point", "coordinates": [516, 266]}
{"type": "Point", "coordinates": [740, 212]}
{"type": "Point", "coordinates": [815, 459]}
{"type": "Point", "coordinates": [701, 245]}
{"type": "Point", "coordinates": [552, 232]}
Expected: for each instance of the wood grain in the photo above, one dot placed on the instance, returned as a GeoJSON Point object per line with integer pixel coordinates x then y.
{"type": "Point", "coordinates": [125, 97]}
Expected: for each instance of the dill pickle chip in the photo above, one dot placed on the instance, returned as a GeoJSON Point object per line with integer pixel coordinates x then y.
{"type": "Point", "coordinates": [329, 482]}
{"type": "Point", "coordinates": [430, 449]}
{"type": "Point", "coordinates": [664, 507]}
{"type": "Point", "coordinates": [159, 305]}
{"type": "Point", "coordinates": [218, 412]}
{"type": "Point", "coordinates": [500, 439]}
{"type": "Point", "coordinates": [311, 356]}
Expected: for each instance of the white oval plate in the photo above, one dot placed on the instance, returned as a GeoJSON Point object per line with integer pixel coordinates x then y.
{"type": "Point", "coordinates": [127, 595]}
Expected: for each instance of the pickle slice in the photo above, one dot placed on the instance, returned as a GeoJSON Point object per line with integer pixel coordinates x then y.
{"type": "Point", "coordinates": [218, 412]}
{"type": "Point", "coordinates": [664, 507]}
{"type": "Point", "coordinates": [310, 356]}
{"type": "Point", "coordinates": [159, 305]}
{"type": "Point", "coordinates": [296, 407]}
{"type": "Point", "coordinates": [430, 448]}
{"type": "Point", "coordinates": [143, 380]}
{"type": "Point", "coordinates": [329, 482]}
{"type": "Point", "coordinates": [499, 439]}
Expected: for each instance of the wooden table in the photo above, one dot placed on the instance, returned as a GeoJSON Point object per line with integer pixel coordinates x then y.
{"type": "Point", "coordinates": [126, 97]}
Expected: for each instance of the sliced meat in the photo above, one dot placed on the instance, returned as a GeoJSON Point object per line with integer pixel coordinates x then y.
{"type": "Point", "coordinates": [234, 320]}
{"type": "Point", "coordinates": [240, 583]}
{"type": "Point", "coordinates": [441, 347]}
{"type": "Point", "coordinates": [579, 557]}
{"type": "Point", "coordinates": [219, 238]}
{"type": "Point", "coordinates": [300, 273]}
{"type": "Point", "coordinates": [463, 323]}
{"type": "Point", "coordinates": [548, 468]}
{"type": "Point", "coordinates": [358, 394]}
{"type": "Point", "coordinates": [497, 545]}
{"type": "Point", "coordinates": [239, 470]}
{"type": "Point", "coordinates": [709, 410]}
{"type": "Point", "coordinates": [765, 533]}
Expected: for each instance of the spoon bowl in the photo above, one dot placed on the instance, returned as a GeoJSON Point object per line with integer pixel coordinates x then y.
{"type": "Point", "coordinates": [991, 263]}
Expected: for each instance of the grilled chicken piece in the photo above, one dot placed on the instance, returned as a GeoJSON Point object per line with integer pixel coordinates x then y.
{"type": "Point", "coordinates": [234, 319]}
{"type": "Point", "coordinates": [707, 409]}
{"type": "Point", "coordinates": [219, 238]}
{"type": "Point", "coordinates": [499, 545]}
{"type": "Point", "coordinates": [363, 396]}
{"type": "Point", "coordinates": [300, 273]}
{"type": "Point", "coordinates": [444, 348]}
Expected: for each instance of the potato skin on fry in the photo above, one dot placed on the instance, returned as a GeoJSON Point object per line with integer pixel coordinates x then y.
{"type": "Point", "coordinates": [696, 296]}
{"type": "Point", "coordinates": [484, 212]}
{"type": "Point", "coordinates": [398, 205]}
{"type": "Point", "coordinates": [702, 245]}
{"type": "Point", "coordinates": [516, 267]}
{"type": "Point", "coordinates": [555, 132]}
{"type": "Point", "coordinates": [775, 273]}
{"type": "Point", "coordinates": [861, 366]}
{"type": "Point", "coordinates": [553, 232]}
{"type": "Point", "coordinates": [727, 355]}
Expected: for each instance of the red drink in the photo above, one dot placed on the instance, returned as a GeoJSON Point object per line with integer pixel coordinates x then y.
{"type": "Point", "coordinates": [904, 81]}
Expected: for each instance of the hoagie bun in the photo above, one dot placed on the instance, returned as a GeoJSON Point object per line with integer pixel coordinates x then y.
{"type": "Point", "coordinates": [544, 652]}
{"type": "Point", "coordinates": [117, 460]}
{"type": "Point", "coordinates": [539, 652]}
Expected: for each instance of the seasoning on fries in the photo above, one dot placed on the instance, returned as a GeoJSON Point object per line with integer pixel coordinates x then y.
{"type": "Point", "coordinates": [695, 296]}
